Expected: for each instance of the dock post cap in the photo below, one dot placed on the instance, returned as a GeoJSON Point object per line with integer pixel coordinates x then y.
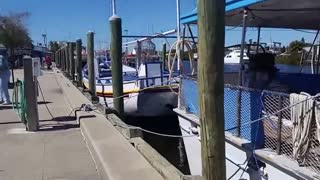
{"type": "Point", "coordinates": [90, 32]}
{"type": "Point", "coordinates": [114, 17]}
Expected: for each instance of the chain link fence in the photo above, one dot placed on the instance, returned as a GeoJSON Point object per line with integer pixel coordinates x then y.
{"type": "Point", "coordinates": [261, 117]}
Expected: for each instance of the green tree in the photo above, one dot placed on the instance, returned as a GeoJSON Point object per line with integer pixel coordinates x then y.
{"type": "Point", "coordinates": [53, 46]}
{"type": "Point", "coordinates": [14, 34]}
{"type": "Point", "coordinates": [302, 40]}
{"type": "Point", "coordinates": [296, 46]}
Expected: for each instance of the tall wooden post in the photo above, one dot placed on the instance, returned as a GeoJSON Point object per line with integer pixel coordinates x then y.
{"type": "Point", "coordinates": [79, 62]}
{"type": "Point", "coordinates": [31, 97]}
{"type": "Point", "coordinates": [68, 60]}
{"type": "Point", "coordinates": [164, 55]}
{"type": "Point", "coordinates": [72, 61]}
{"type": "Point", "coordinates": [210, 83]}
{"type": "Point", "coordinates": [62, 60]}
{"type": "Point", "coordinates": [91, 73]}
{"type": "Point", "coordinates": [116, 60]}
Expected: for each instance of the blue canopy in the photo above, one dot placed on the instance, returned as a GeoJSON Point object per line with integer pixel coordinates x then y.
{"type": "Point", "coordinates": [295, 14]}
{"type": "Point", "coordinates": [192, 18]}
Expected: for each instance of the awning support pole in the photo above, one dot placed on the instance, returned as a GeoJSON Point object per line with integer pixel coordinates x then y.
{"type": "Point", "coordinates": [244, 29]}
{"type": "Point", "coordinates": [258, 40]}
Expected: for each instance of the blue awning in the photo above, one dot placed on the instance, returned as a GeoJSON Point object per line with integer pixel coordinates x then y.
{"type": "Point", "coordinates": [192, 18]}
{"type": "Point", "coordinates": [294, 14]}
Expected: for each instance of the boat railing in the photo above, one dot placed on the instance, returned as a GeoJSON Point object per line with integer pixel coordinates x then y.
{"type": "Point", "coordinates": [261, 117]}
{"type": "Point", "coordinates": [147, 81]}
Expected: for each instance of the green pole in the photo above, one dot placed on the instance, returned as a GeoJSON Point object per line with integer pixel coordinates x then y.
{"type": "Point", "coordinates": [164, 55]}
{"type": "Point", "coordinates": [210, 83]}
{"type": "Point", "coordinates": [116, 63]}
{"type": "Point", "coordinates": [72, 61]}
{"type": "Point", "coordinates": [79, 62]}
{"type": "Point", "coordinates": [91, 73]}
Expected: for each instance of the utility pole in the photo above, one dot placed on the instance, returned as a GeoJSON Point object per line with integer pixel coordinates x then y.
{"type": "Point", "coordinates": [116, 62]}
{"type": "Point", "coordinates": [211, 90]}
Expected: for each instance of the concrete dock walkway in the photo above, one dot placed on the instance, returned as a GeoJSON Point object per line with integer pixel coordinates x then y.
{"type": "Point", "coordinates": [58, 150]}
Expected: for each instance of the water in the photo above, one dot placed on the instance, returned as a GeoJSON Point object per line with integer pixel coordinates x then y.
{"type": "Point", "coordinates": [170, 148]}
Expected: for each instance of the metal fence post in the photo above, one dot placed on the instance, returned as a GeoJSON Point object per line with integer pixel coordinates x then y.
{"type": "Point", "coordinates": [279, 130]}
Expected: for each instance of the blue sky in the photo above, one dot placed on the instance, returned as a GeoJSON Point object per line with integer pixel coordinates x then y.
{"type": "Point", "coordinates": [72, 19]}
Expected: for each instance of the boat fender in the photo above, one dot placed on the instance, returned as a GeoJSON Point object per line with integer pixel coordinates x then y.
{"type": "Point", "coordinates": [194, 130]}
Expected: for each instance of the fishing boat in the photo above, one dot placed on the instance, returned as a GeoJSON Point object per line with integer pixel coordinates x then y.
{"type": "Point", "coordinates": [233, 57]}
{"type": "Point", "coordinates": [264, 136]}
{"type": "Point", "coordinates": [147, 92]}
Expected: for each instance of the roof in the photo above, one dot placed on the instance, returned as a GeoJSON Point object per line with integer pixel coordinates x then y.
{"type": "Point", "coordinates": [294, 14]}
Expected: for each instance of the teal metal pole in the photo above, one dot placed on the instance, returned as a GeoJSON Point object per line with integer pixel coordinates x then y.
{"type": "Point", "coordinates": [116, 63]}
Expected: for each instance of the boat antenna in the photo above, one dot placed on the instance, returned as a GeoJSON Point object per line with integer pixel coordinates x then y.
{"type": "Point", "coordinates": [113, 3]}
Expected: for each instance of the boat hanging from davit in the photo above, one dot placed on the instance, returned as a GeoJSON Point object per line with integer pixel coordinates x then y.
{"type": "Point", "coordinates": [148, 89]}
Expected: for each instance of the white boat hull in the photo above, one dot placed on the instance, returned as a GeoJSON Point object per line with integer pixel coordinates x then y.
{"type": "Point", "coordinates": [193, 151]}
{"type": "Point", "coordinates": [157, 101]}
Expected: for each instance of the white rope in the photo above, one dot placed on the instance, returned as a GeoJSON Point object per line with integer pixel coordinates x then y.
{"type": "Point", "coordinates": [317, 117]}
{"type": "Point", "coordinates": [301, 116]}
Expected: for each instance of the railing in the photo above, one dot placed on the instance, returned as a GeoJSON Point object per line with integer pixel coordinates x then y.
{"type": "Point", "coordinates": [265, 120]}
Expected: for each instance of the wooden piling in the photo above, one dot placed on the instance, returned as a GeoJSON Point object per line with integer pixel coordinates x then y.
{"type": "Point", "coordinates": [31, 97]}
{"type": "Point", "coordinates": [116, 60]}
{"type": "Point", "coordinates": [79, 62]}
{"type": "Point", "coordinates": [62, 60]}
{"type": "Point", "coordinates": [210, 82]}
{"type": "Point", "coordinates": [68, 60]}
{"type": "Point", "coordinates": [91, 73]}
{"type": "Point", "coordinates": [72, 61]}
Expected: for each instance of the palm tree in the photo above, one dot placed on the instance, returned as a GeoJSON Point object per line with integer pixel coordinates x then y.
{"type": "Point", "coordinates": [14, 34]}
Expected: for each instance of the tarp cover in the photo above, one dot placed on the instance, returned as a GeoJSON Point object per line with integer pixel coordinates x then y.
{"type": "Point", "coordinates": [294, 14]}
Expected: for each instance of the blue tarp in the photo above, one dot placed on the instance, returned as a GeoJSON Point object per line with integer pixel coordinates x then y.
{"type": "Point", "coordinates": [251, 108]}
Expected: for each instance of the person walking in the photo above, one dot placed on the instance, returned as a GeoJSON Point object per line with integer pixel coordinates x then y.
{"type": "Point", "coordinates": [48, 62]}
{"type": "Point", "coordinates": [4, 81]}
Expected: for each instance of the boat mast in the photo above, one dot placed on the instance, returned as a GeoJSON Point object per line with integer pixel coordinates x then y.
{"type": "Point", "coordinates": [178, 33]}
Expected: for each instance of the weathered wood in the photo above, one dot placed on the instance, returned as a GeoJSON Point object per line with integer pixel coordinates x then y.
{"type": "Point", "coordinates": [72, 61]}
{"type": "Point", "coordinates": [79, 62]}
{"type": "Point", "coordinates": [67, 60]}
{"type": "Point", "coordinates": [91, 69]}
{"type": "Point", "coordinates": [116, 60]}
{"type": "Point", "coordinates": [30, 94]}
{"type": "Point", "coordinates": [210, 83]}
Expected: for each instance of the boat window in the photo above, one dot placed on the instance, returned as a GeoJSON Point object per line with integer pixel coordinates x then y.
{"type": "Point", "coordinates": [229, 56]}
